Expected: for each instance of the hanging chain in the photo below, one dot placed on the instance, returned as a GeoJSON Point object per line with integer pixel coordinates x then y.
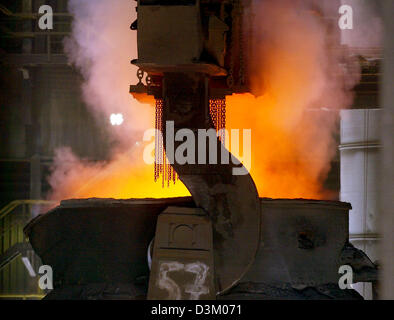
{"type": "Point", "coordinates": [213, 111]}
{"type": "Point", "coordinates": [222, 120]}
{"type": "Point", "coordinates": [162, 166]}
{"type": "Point", "coordinates": [158, 138]}
{"type": "Point", "coordinates": [217, 110]}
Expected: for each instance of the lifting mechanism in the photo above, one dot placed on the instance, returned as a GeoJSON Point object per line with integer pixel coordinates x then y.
{"type": "Point", "coordinates": [223, 243]}
{"type": "Point", "coordinates": [193, 54]}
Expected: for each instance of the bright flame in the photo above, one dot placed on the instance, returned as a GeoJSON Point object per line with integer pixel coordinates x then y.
{"type": "Point", "coordinates": [125, 176]}
{"type": "Point", "coordinates": [101, 46]}
{"type": "Point", "coordinates": [281, 165]}
{"type": "Point", "coordinates": [300, 75]}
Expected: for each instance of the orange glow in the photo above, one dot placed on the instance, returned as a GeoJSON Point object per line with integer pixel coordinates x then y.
{"type": "Point", "coordinates": [296, 74]}
{"type": "Point", "coordinates": [144, 98]}
{"type": "Point", "coordinates": [125, 176]}
{"type": "Point", "coordinates": [293, 69]}
{"type": "Point", "coordinates": [282, 166]}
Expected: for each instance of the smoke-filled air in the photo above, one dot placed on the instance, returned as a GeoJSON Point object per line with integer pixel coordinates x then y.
{"type": "Point", "coordinates": [101, 47]}
{"type": "Point", "coordinates": [302, 81]}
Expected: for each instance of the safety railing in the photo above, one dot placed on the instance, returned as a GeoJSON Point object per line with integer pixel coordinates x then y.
{"type": "Point", "coordinates": [18, 262]}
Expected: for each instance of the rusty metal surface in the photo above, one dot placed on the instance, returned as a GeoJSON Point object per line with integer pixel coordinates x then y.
{"type": "Point", "coordinates": [167, 29]}
{"type": "Point", "coordinates": [301, 242]}
{"type": "Point", "coordinates": [186, 59]}
{"type": "Point", "coordinates": [97, 240]}
{"type": "Point", "coordinates": [301, 249]}
{"type": "Point", "coordinates": [160, 69]}
{"type": "Point", "coordinates": [264, 291]}
{"type": "Point", "coordinates": [230, 200]}
{"type": "Point", "coordinates": [182, 264]}
{"type": "Point", "coordinates": [98, 248]}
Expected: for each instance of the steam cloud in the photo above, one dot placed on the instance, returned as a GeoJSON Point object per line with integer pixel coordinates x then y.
{"type": "Point", "coordinates": [296, 69]}
{"type": "Point", "coordinates": [101, 47]}
{"type": "Point", "coordinates": [368, 27]}
{"type": "Point", "coordinates": [303, 79]}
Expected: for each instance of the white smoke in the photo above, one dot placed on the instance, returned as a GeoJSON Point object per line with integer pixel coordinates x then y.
{"type": "Point", "coordinates": [296, 60]}
{"type": "Point", "coordinates": [101, 47]}
{"type": "Point", "coordinates": [367, 24]}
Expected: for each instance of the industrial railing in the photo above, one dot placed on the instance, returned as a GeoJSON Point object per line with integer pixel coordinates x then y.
{"type": "Point", "coordinates": [51, 41]}
{"type": "Point", "coordinates": [18, 262]}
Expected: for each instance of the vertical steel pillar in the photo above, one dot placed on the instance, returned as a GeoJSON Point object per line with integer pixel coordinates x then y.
{"type": "Point", "coordinates": [386, 194]}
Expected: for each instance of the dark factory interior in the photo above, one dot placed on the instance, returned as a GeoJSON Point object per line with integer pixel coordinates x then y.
{"type": "Point", "coordinates": [99, 199]}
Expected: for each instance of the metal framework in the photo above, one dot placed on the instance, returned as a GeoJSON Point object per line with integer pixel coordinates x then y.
{"type": "Point", "coordinates": [15, 281]}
